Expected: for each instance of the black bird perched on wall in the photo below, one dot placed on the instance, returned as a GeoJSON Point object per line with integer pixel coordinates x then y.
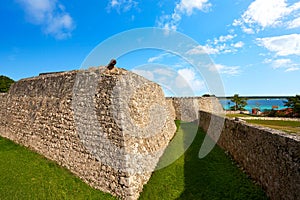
{"type": "Point", "coordinates": [111, 64]}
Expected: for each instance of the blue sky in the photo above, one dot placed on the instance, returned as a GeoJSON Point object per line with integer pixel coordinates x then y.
{"type": "Point", "coordinates": [254, 45]}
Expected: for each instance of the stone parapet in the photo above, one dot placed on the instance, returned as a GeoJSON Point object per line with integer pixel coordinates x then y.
{"type": "Point", "coordinates": [271, 157]}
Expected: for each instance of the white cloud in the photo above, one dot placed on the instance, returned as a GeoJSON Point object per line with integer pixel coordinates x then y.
{"type": "Point", "coordinates": [203, 50]}
{"type": "Point", "coordinates": [121, 5]}
{"type": "Point", "coordinates": [278, 63]}
{"type": "Point", "coordinates": [49, 14]}
{"type": "Point", "coordinates": [164, 72]}
{"type": "Point", "coordinates": [223, 38]}
{"type": "Point", "coordinates": [239, 44]}
{"type": "Point", "coordinates": [282, 45]}
{"type": "Point", "coordinates": [292, 69]}
{"type": "Point", "coordinates": [188, 6]}
{"type": "Point", "coordinates": [266, 13]}
{"type": "Point", "coordinates": [145, 73]}
{"type": "Point", "coordinates": [223, 69]}
{"type": "Point", "coordinates": [218, 46]}
{"type": "Point", "coordinates": [159, 57]}
{"type": "Point", "coordinates": [182, 82]}
{"type": "Point", "coordinates": [283, 63]}
{"type": "Point", "coordinates": [294, 23]}
{"type": "Point", "coordinates": [187, 79]}
{"type": "Point", "coordinates": [183, 7]}
{"type": "Point", "coordinates": [248, 30]}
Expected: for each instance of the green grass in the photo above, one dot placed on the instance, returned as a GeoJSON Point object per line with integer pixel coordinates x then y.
{"type": "Point", "coordinates": [213, 177]}
{"type": "Point", "coordinates": [287, 126]}
{"type": "Point", "coordinates": [27, 175]}
{"type": "Point", "coordinates": [238, 115]}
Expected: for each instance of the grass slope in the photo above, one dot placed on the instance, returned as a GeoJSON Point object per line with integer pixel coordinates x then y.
{"type": "Point", "coordinates": [27, 175]}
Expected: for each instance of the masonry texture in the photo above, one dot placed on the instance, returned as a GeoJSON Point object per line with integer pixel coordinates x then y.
{"type": "Point", "coordinates": [107, 127]}
{"type": "Point", "coordinates": [270, 157]}
{"type": "Point", "coordinates": [186, 108]}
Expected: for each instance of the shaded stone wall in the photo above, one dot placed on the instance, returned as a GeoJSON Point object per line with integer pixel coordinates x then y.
{"type": "Point", "coordinates": [186, 108]}
{"type": "Point", "coordinates": [3, 111]}
{"type": "Point", "coordinates": [107, 127]}
{"type": "Point", "coordinates": [271, 157]}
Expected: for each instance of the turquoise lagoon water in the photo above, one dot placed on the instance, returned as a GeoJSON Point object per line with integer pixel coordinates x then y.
{"type": "Point", "coordinates": [262, 104]}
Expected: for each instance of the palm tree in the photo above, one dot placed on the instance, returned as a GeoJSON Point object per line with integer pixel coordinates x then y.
{"type": "Point", "coordinates": [239, 102]}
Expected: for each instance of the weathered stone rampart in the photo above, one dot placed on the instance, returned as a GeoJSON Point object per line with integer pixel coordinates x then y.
{"type": "Point", "coordinates": [107, 127]}
{"type": "Point", "coordinates": [186, 108]}
{"type": "Point", "coordinates": [111, 127]}
{"type": "Point", "coordinates": [270, 157]}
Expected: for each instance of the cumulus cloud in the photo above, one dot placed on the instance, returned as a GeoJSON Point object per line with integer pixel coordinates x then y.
{"type": "Point", "coordinates": [183, 7]}
{"type": "Point", "coordinates": [239, 44]}
{"type": "Point", "coordinates": [220, 45]}
{"type": "Point", "coordinates": [121, 5]}
{"type": "Point", "coordinates": [188, 6]}
{"type": "Point", "coordinates": [267, 13]}
{"type": "Point", "coordinates": [49, 14]}
{"type": "Point", "coordinates": [283, 63]}
{"type": "Point", "coordinates": [182, 82]}
{"type": "Point", "coordinates": [283, 45]}
{"type": "Point", "coordinates": [223, 38]}
{"type": "Point", "coordinates": [200, 49]}
{"type": "Point", "coordinates": [187, 79]}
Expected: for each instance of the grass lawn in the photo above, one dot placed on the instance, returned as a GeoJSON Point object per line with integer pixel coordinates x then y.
{"type": "Point", "coordinates": [27, 175]}
{"type": "Point", "coordinates": [287, 126]}
{"type": "Point", "coordinates": [238, 115]}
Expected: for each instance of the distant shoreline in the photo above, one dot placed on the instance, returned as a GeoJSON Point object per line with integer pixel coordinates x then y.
{"type": "Point", "coordinates": [257, 97]}
{"type": "Point", "coordinates": [261, 103]}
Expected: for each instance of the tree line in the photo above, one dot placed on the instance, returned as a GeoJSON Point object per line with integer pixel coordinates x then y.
{"type": "Point", "coordinates": [5, 83]}
{"type": "Point", "coordinates": [292, 102]}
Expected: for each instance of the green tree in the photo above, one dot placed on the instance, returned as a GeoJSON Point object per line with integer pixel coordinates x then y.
{"type": "Point", "coordinates": [239, 102]}
{"type": "Point", "coordinates": [208, 95]}
{"type": "Point", "coordinates": [5, 83]}
{"type": "Point", "coordinates": [294, 103]}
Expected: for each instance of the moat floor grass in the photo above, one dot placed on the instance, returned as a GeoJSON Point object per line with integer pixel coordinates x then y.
{"type": "Point", "coordinates": [215, 176]}
{"type": "Point", "coordinates": [27, 175]}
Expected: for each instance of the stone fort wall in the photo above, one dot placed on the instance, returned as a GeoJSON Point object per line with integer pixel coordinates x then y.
{"type": "Point", "coordinates": [269, 156]}
{"type": "Point", "coordinates": [187, 108]}
{"type": "Point", "coordinates": [107, 127]}
{"type": "Point", "coordinates": [111, 127]}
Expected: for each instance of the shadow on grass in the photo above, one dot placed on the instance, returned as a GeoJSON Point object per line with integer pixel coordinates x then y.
{"type": "Point", "coordinates": [214, 177]}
